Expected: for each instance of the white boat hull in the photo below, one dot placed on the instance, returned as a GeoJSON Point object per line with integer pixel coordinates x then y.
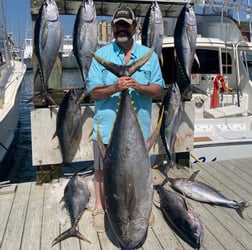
{"type": "Point", "coordinates": [9, 114]}
{"type": "Point", "coordinates": [28, 63]}
{"type": "Point", "coordinates": [222, 151]}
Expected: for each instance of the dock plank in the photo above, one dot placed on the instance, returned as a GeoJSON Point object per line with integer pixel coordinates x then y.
{"type": "Point", "coordinates": [33, 222]}
{"type": "Point", "coordinates": [69, 243]}
{"type": "Point", "coordinates": [51, 214]}
{"type": "Point", "coordinates": [32, 217]}
{"type": "Point", "coordinates": [87, 229]}
{"type": "Point", "coordinates": [86, 221]}
{"type": "Point", "coordinates": [164, 233]}
{"type": "Point", "coordinates": [15, 226]}
{"type": "Point", "coordinates": [107, 242]}
{"type": "Point", "coordinates": [5, 210]}
{"type": "Point", "coordinates": [237, 180]}
{"type": "Point", "coordinates": [215, 179]}
{"type": "Point", "coordinates": [245, 164]}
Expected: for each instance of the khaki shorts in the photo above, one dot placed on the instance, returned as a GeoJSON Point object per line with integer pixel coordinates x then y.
{"type": "Point", "coordinates": [98, 160]}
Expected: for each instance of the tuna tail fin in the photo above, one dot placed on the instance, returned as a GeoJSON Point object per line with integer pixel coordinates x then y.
{"type": "Point", "coordinates": [241, 207]}
{"type": "Point", "coordinates": [124, 70]}
{"type": "Point", "coordinates": [42, 97]}
{"type": "Point", "coordinates": [71, 232]}
{"type": "Point", "coordinates": [132, 68]}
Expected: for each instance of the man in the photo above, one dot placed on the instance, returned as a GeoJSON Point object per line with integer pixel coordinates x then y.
{"type": "Point", "coordinates": [105, 87]}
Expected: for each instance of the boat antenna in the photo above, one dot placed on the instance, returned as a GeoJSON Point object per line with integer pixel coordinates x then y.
{"type": "Point", "coordinates": [248, 16]}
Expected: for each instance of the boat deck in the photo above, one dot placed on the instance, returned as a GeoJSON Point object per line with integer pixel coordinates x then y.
{"type": "Point", "coordinates": [31, 215]}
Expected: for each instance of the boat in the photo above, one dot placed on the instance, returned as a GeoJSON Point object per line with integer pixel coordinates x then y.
{"type": "Point", "coordinates": [28, 50]}
{"type": "Point", "coordinates": [68, 58]}
{"type": "Point", "coordinates": [12, 70]}
{"type": "Point", "coordinates": [222, 131]}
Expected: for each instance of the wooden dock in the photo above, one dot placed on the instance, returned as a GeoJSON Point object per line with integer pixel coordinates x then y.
{"type": "Point", "coordinates": [31, 215]}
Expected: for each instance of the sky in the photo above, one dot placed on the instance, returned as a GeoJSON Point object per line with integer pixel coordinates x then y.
{"type": "Point", "coordinates": [19, 19]}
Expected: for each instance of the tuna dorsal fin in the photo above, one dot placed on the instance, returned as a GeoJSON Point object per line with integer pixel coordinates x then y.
{"type": "Point", "coordinates": [151, 140]}
{"type": "Point", "coordinates": [101, 146]}
{"type": "Point", "coordinates": [194, 174]}
{"type": "Point", "coordinates": [123, 70]}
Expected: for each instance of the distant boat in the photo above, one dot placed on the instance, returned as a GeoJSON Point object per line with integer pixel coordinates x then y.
{"type": "Point", "coordinates": [12, 70]}
{"type": "Point", "coordinates": [28, 50]}
{"type": "Point", "coordinates": [68, 58]}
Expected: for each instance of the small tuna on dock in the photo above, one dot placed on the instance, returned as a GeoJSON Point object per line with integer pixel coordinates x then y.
{"type": "Point", "coordinates": [202, 192]}
{"type": "Point", "coordinates": [181, 216]}
{"type": "Point", "coordinates": [76, 197]}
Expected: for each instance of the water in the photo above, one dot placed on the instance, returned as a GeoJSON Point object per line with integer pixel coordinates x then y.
{"type": "Point", "coordinates": [20, 156]}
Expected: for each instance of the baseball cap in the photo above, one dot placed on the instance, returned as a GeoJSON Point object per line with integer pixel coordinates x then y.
{"type": "Point", "coordinates": [123, 14]}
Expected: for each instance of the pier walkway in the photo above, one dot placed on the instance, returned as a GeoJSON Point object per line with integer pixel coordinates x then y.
{"type": "Point", "coordinates": [31, 215]}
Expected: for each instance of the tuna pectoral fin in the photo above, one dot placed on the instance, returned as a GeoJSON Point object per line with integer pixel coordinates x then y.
{"type": "Point", "coordinates": [72, 232]}
{"type": "Point", "coordinates": [83, 95]}
{"type": "Point", "coordinates": [151, 140]}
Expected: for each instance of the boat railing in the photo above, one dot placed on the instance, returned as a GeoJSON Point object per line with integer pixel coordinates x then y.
{"type": "Point", "coordinates": [224, 6]}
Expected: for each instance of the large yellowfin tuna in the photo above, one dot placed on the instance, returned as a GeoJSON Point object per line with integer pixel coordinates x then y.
{"type": "Point", "coordinates": [153, 29]}
{"type": "Point", "coordinates": [48, 35]}
{"type": "Point", "coordinates": [128, 187]}
{"type": "Point", "coordinates": [85, 36]}
{"type": "Point", "coordinates": [185, 35]}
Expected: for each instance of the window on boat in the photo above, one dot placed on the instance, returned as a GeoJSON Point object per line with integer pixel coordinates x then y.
{"type": "Point", "coordinates": [226, 63]}
{"type": "Point", "coordinates": [209, 63]}
{"type": "Point", "coordinates": [169, 65]}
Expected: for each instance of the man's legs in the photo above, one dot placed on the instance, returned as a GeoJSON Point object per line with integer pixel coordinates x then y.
{"type": "Point", "coordinates": [98, 215]}
{"type": "Point", "coordinates": [98, 183]}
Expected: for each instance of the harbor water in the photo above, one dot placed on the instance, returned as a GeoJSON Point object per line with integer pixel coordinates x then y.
{"type": "Point", "coordinates": [18, 165]}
